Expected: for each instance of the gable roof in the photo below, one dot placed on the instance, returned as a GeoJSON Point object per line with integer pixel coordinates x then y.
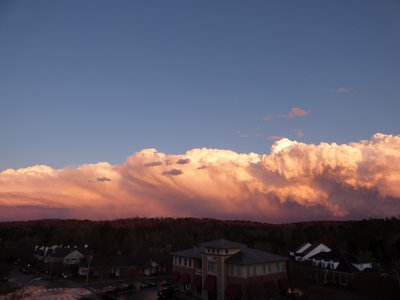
{"type": "Point", "coordinates": [337, 255]}
{"type": "Point", "coordinates": [345, 260]}
{"type": "Point", "coordinates": [253, 256]}
{"type": "Point", "coordinates": [194, 252]}
{"type": "Point", "coordinates": [327, 256]}
{"type": "Point", "coordinates": [60, 252]}
{"type": "Point", "coordinates": [301, 246]}
{"type": "Point", "coordinates": [311, 248]}
{"type": "Point", "coordinates": [222, 244]}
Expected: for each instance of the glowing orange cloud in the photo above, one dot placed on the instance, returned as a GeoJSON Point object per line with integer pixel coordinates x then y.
{"type": "Point", "coordinates": [296, 181]}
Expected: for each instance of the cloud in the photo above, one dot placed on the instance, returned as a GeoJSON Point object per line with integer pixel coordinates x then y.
{"type": "Point", "coordinates": [173, 172]}
{"type": "Point", "coordinates": [102, 179]}
{"type": "Point", "coordinates": [274, 137]}
{"type": "Point", "coordinates": [299, 132]}
{"type": "Point", "coordinates": [294, 181]}
{"type": "Point", "coordinates": [342, 90]}
{"type": "Point", "coordinates": [153, 164]}
{"type": "Point", "coordinates": [268, 118]}
{"type": "Point", "coordinates": [296, 112]}
{"type": "Point", "coordinates": [183, 161]}
{"type": "Point", "coordinates": [293, 113]}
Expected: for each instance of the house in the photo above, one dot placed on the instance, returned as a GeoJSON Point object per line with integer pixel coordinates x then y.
{"type": "Point", "coordinates": [158, 264]}
{"type": "Point", "coordinates": [318, 264]}
{"type": "Point", "coordinates": [306, 250]}
{"type": "Point", "coordinates": [223, 269]}
{"type": "Point", "coordinates": [337, 267]}
{"type": "Point", "coordinates": [126, 267]}
{"type": "Point", "coordinates": [95, 266]}
{"type": "Point", "coordinates": [58, 254]}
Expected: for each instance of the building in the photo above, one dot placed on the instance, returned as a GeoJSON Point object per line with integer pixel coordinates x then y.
{"type": "Point", "coordinates": [307, 250]}
{"type": "Point", "coordinates": [325, 266]}
{"type": "Point", "coordinates": [126, 267]}
{"type": "Point", "coordinates": [158, 265]}
{"type": "Point", "coordinates": [59, 254]}
{"type": "Point", "coordinates": [337, 268]}
{"type": "Point", "coordinates": [223, 269]}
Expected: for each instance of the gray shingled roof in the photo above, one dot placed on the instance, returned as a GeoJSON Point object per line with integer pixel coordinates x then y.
{"type": "Point", "coordinates": [253, 256]}
{"type": "Point", "coordinates": [345, 260]}
{"type": "Point", "coordinates": [222, 244]}
{"type": "Point", "coordinates": [337, 255]}
{"type": "Point", "coordinates": [194, 252]}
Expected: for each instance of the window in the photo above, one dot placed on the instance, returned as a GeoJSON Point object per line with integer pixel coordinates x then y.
{"type": "Point", "coordinates": [180, 260]}
{"type": "Point", "coordinates": [239, 271]}
{"type": "Point", "coordinates": [212, 267]}
{"type": "Point", "coordinates": [184, 262]}
{"type": "Point", "coordinates": [231, 270]}
{"type": "Point", "coordinates": [283, 264]}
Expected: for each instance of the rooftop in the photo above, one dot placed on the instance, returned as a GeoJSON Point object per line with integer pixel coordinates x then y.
{"type": "Point", "coordinates": [222, 244]}
{"type": "Point", "coordinates": [253, 256]}
{"type": "Point", "coordinates": [309, 249]}
{"type": "Point", "coordinates": [194, 252]}
{"type": "Point", "coordinates": [301, 246]}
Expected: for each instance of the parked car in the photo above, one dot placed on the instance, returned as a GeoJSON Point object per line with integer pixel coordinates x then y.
{"type": "Point", "coordinates": [166, 292]}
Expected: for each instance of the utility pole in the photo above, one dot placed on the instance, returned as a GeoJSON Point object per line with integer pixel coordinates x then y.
{"type": "Point", "coordinates": [87, 275]}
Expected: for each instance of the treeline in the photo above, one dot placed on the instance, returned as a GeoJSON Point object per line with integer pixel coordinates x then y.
{"type": "Point", "coordinates": [376, 239]}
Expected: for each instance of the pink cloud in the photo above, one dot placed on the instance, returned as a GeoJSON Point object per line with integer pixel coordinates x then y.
{"type": "Point", "coordinates": [293, 113]}
{"type": "Point", "coordinates": [299, 133]}
{"type": "Point", "coordinates": [295, 181]}
{"type": "Point", "coordinates": [297, 112]}
{"type": "Point", "coordinates": [274, 137]}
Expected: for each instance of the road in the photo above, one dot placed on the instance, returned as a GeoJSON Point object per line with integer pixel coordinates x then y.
{"type": "Point", "coordinates": [145, 294]}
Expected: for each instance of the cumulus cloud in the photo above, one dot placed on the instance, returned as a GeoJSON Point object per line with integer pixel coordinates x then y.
{"type": "Point", "coordinates": [295, 181]}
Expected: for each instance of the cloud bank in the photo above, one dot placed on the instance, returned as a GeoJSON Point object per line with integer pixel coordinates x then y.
{"type": "Point", "coordinates": [294, 182]}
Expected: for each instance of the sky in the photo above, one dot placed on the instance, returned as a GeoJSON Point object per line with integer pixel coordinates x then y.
{"type": "Point", "coordinates": [121, 108]}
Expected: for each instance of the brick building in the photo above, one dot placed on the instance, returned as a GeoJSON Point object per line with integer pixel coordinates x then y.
{"type": "Point", "coordinates": [223, 269]}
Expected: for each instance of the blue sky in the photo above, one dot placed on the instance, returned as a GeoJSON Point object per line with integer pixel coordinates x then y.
{"type": "Point", "coordinates": [88, 81]}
